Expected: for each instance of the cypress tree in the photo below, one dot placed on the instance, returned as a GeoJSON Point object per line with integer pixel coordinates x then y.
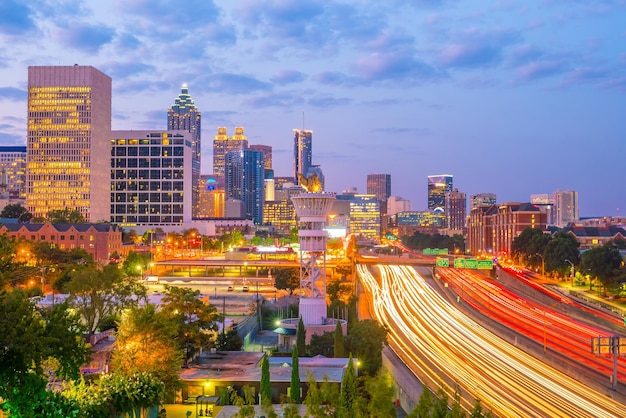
{"type": "Point", "coordinates": [295, 377]}
{"type": "Point", "coordinates": [301, 338]}
{"type": "Point", "coordinates": [349, 389]}
{"type": "Point", "coordinates": [339, 341]}
{"type": "Point", "coordinates": [264, 390]}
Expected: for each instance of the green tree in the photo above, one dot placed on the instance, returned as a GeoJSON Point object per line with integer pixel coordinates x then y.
{"type": "Point", "coordinates": [194, 317]}
{"type": "Point", "coordinates": [228, 341]}
{"type": "Point", "coordinates": [338, 341]}
{"type": "Point", "coordinates": [563, 246]}
{"type": "Point", "coordinates": [30, 339]}
{"type": "Point", "coordinates": [349, 390]}
{"type": "Point", "coordinates": [287, 279]}
{"type": "Point", "coordinates": [322, 344]}
{"type": "Point", "coordinates": [65, 216]}
{"type": "Point", "coordinates": [323, 399]}
{"type": "Point", "coordinates": [424, 405]}
{"type": "Point", "coordinates": [265, 391]}
{"type": "Point", "coordinates": [529, 242]}
{"type": "Point", "coordinates": [381, 395]}
{"type": "Point", "coordinates": [294, 392]}
{"type": "Point", "coordinates": [603, 262]}
{"type": "Point", "coordinates": [144, 344]}
{"type": "Point", "coordinates": [11, 271]}
{"type": "Point", "coordinates": [16, 211]}
{"type": "Point", "coordinates": [366, 340]}
{"type": "Point", "coordinates": [135, 263]}
{"type": "Point", "coordinates": [301, 338]}
{"type": "Point", "coordinates": [98, 294]}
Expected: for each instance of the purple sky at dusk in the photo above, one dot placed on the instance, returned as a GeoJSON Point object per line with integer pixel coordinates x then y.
{"type": "Point", "coordinates": [513, 97]}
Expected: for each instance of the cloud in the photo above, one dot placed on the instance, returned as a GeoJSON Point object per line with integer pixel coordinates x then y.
{"type": "Point", "coordinates": [282, 100]}
{"type": "Point", "coordinates": [586, 75]}
{"type": "Point", "coordinates": [287, 77]}
{"type": "Point", "coordinates": [83, 37]}
{"type": "Point", "coordinates": [327, 101]}
{"type": "Point", "coordinates": [383, 66]}
{"type": "Point", "coordinates": [233, 83]}
{"type": "Point", "coordinates": [125, 70]}
{"type": "Point", "coordinates": [11, 139]}
{"type": "Point", "coordinates": [474, 48]}
{"type": "Point", "coordinates": [12, 93]}
{"type": "Point", "coordinates": [15, 18]}
{"type": "Point", "coordinates": [335, 78]}
{"type": "Point", "coordinates": [540, 69]}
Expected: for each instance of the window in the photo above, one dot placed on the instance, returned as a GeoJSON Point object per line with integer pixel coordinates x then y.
{"type": "Point", "coordinates": [62, 237]}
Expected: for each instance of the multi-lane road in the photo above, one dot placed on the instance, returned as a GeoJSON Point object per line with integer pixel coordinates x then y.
{"type": "Point", "coordinates": [445, 348]}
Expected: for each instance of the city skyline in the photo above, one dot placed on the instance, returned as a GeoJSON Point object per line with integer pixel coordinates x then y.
{"type": "Point", "coordinates": [512, 98]}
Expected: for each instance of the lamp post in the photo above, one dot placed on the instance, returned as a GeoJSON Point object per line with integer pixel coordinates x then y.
{"type": "Point", "coordinates": [571, 270]}
{"type": "Point", "coordinates": [543, 272]}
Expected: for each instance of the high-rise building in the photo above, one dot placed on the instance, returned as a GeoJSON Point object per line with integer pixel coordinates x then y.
{"type": "Point", "coordinates": [280, 212]}
{"type": "Point", "coordinates": [13, 172]}
{"type": "Point", "coordinates": [183, 115]}
{"type": "Point", "coordinates": [397, 204]}
{"type": "Point", "coordinates": [455, 210]}
{"type": "Point", "coordinates": [545, 202]}
{"type": "Point", "coordinates": [244, 180]}
{"type": "Point", "coordinates": [302, 152]}
{"type": "Point", "coordinates": [267, 154]}
{"type": "Point", "coordinates": [149, 184]}
{"type": "Point", "coordinates": [211, 197]}
{"type": "Point", "coordinates": [68, 146]}
{"type": "Point", "coordinates": [565, 207]}
{"type": "Point", "coordinates": [364, 218]}
{"type": "Point", "coordinates": [437, 188]}
{"type": "Point", "coordinates": [223, 144]}
{"type": "Point", "coordinates": [380, 186]}
{"type": "Point", "coordinates": [482, 199]}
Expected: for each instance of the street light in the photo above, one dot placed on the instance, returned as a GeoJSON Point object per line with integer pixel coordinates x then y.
{"type": "Point", "coordinates": [571, 271]}
{"type": "Point", "coordinates": [543, 272]}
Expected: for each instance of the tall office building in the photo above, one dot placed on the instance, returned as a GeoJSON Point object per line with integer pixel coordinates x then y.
{"type": "Point", "coordinates": [267, 154]}
{"type": "Point", "coordinates": [13, 172]}
{"type": "Point", "coordinates": [149, 184]}
{"type": "Point", "coordinates": [183, 115]}
{"type": "Point", "coordinates": [68, 146]}
{"type": "Point", "coordinates": [482, 199]}
{"type": "Point", "coordinates": [397, 204]}
{"type": "Point", "coordinates": [223, 144]}
{"type": "Point", "coordinates": [244, 180]}
{"type": "Point", "coordinates": [565, 207]}
{"type": "Point", "coordinates": [437, 188]}
{"type": "Point", "coordinates": [380, 186]}
{"type": "Point", "coordinates": [302, 152]}
{"type": "Point", "coordinates": [455, 210]}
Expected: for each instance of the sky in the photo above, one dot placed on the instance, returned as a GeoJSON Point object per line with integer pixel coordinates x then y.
{"type": "Point", "coordinates": [510, 97]}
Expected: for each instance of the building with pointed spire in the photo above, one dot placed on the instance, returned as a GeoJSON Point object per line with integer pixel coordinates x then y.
{"type": "Point", "coordinates": [183, 115]}
{"type": "Point", "coordinates": [223, 144]}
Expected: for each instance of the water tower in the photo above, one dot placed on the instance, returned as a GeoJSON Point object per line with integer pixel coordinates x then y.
{"type": "Point", "coordinates": [312, 210]}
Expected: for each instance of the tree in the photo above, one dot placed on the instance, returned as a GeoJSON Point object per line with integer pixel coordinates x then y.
{"type": "Point", "coordinates": [381, 395]}
{"type": "Point", "coordinates": [366, 340]}
{"type": "Point", "coordinates": [135, 263]}
{"type": "Point", "coordinates": [301, 338]}
{"type": "Point", "coordinates": [195, 319]}
{"type": "Point", "coordinates": [229, 341]}
{"type": "Point", "coordinates": [287, 279]}
{"type": "Point", "coordinates": [563, 246]}
{"type": "Point", "coordinates": [16, 211]}
{"type": "Point", "coordinates": [339, 341]}
{"type": "Point", "coordinates": [30, 338]}
{"type": "Point", "coordinates": [323, 400]}
{"type": "Point", "coordinates": [349, 390]}
{"type": "Point", "coordinates": [424, 404]}
{"type": "Point", "coordinates": [98, 294]}
{"type": "Point", "coordinates": [65, 216]}
{"type": "Point", "coordinates": [529, 242]}
{"type": "Point", "coordinates": [294, 392]}
{"type": "Point", "coordinates": [265, 391]}
{"type": "Point", "coordinates": [322, 344]}
{"type": "Point", "coordinates": [603, 262]}
{"type": "Point", "coordinates": [10, 270]}
{"type": "Point", "coordinates": [144, 344]}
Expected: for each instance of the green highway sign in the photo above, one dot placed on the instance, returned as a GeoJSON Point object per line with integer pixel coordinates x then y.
{"type": "Point", "coordinates": [442, 262]}
{"type": "Point", "coordinates": [484, 264]}
{"type": "Point", "coordinates": [470, 263]}
{"type": "Point", "coordinates": [459, 263]}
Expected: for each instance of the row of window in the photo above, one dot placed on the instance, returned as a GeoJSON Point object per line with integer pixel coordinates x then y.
{"type": "Point", "coordinates": [150, 209]}
{"type": "Point", "coordinates": [147, 163]}
{"type": "Point", "coordinates": [147, 197]}
{"type": "Point", "coordinates": [61, 237]}
{"type": "Point", "coordinates": [143, 219]}
{"type": "Point", "coordinates": [158, 151]}
{"type": "Point", "coordinates": [155, 186]}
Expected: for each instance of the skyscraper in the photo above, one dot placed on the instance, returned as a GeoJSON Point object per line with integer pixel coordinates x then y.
{"type": "Point", "coordinates": [302, 152]}
{"type": "Point", "coordinates": [223, 144]}
{"type": "Point", "coordinates": [267, 154]}
{"type": "Point", "coordinates": [455, 210]}
{"type": "Point", "coordinates": [565, 207]}
{"type": "Point", "coordinates": [148, 183]}
{"type": "Point", "coordinates": [68, 146]}
{"type": "Point", "coordinates": [244, 180]}
{"type": "Point", "coordinates": [380, 186]}
{"type": "Point", "coordinates": [13, 172]}
{"type": "Point", "coordinates": [183, 115]}
{"type": "Point", "coordinates": [437, 188]}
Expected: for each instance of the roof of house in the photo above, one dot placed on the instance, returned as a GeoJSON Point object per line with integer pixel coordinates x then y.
{"type": "Point", "coordinates": [80, 227]}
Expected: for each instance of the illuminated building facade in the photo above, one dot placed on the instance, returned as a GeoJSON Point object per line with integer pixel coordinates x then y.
{"type": "Point", "coordinates": [545, 202]}
{"type": "Point", "coordinates": [380, 186]}
{"type": "Point", "coordinates": [244, 180]}
{"type": "Point", "coordinates": [223, 144]}
{"type": "Point", "coordinates": [68, 141]}
{"type": "Point", "coordinates": [565, 207]}
{"type": "Point", "coordinates": [267, 154]}
{"type": "Point", "coordinates": [408, 222]}
{"type": "Point", "coordinates": [280, 212]}
{"type": "Point", "coordinates": [302, 152]}
{"type": "Point", "coordinates": [183, 115]}
{"type": "Point", "coordinates": [455, 210]}
{"type": "Point", "coordinates": [482, 199]}
{"type": "Point", "coordinates": [211, 197]}
{"type": "Point", "coordinates": [437, 188]}
{"type": "Point", "coordinates": [149, 184]}
{"type": "Point", "coordinates": [13, 172]}
{"type": "Point", "coordinates": [365, 216]}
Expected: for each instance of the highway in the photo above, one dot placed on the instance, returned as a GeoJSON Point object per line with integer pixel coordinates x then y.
{"type": "Point", "coordinates": [445, 348]}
